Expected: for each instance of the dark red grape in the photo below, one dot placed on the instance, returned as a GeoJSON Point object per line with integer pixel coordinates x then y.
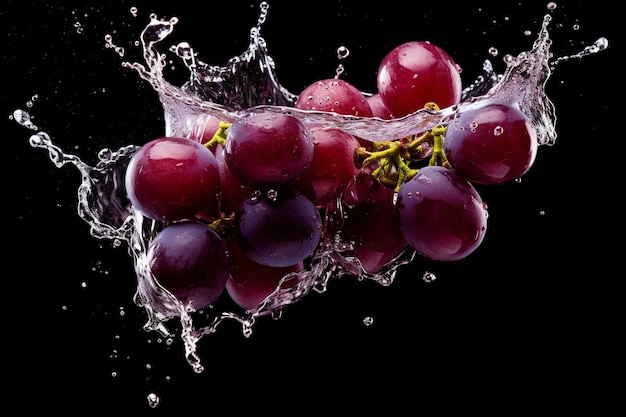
{"type": "Point", "coordinates": [278, 227]}
{"type": "Point", "coordinates": [491, 144]}
{"type": "Point", "coordinates": [190, 260]}
{"type": "Point", "coordinates": [268, 149]}
{"type": "Point", "coordinates": [172, 178]}
{"type": "Point", "coordinates": [379, 109]}
{"type": "Point", "coordinates": [251, 282]}
{"type": "Point", "coordinates": [415, 73]}
{"type": "Point", "coordinates": [332, 167]}
{"type": "Point", "coordinates": [360, 186]}
{"type": "Point", "coordinates": [334, 95]}
{"type": "Point", "coordinates": [204, 129]}
{"type": "Point", "coordinates": [232, 191]}
{"type": "Point", "coordinates": [441, 215]}
{"type": "Point", "coordinates": [373, 229]}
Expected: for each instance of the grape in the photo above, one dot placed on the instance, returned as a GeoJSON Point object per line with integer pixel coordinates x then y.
{"type": "Point", "coordinates": [205, 127]}
{"type": "Point", "coordinates": [441, 215]}
{"type": "Point", "coordinates": [249, 282]}
{"type": "Point", "coordinates": [372, 228]}
{"type": "Point", "coordinates": [491, 144]}
{"type": "Point", "coordinates": [171, 178]}
{"type": "Point", "coordinates": [360, 186]}
{"type": "Point", "coordinates": [278, 228]}
{"type": "Point", "coordinates": [332, 167]}
{"type": "Point", "coordinates": [190, 260]}
{"type": "Point", "coordinates": [268, 149]}
{"type": "Point", "coordinates": [379, 109]}
{"type": "Point", "coordinates": [232, 191]}
{"type": "Point", "coordinates": [334, 95]}
{"type": "Point", "coordinates": [415, 73]}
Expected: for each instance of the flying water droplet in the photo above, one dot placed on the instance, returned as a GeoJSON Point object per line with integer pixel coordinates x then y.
{"type": "Point", "coordinates": [428, 277]}
{"type": "Point", "coordinates": [153, 400]}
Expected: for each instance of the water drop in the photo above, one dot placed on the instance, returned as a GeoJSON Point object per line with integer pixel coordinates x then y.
{"type": "Point", "coordinates": [429, 276]}
{"type": "Point", "coordinates": [272, 194]}
{"type": "Point", "coordinates": [342, 52]}
{"type": "Point", "coordinates": [368, 321]}
{"type": "Point", "coordinates": [22, 117]}
{"type": "Point", "coordinates": [153, 400]}
{"type": "Point", "coordinates": [340, 70]}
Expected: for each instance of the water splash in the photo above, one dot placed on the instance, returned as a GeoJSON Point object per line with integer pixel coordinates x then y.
{"type": "Point", "coordinates": [249, 83]}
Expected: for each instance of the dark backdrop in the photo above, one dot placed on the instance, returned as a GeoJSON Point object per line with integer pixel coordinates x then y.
{"type": "Point", "coordinates": [525, 320]}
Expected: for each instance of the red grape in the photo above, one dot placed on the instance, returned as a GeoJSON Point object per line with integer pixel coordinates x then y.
{"type": "Point", "coordinates": [360, 186]}
{"type": "Point", "coordinates": [190, 260]}
{"type": "Point", "coordinates": [171, 178]}
{"type": "Point", "coordinates": [491, 144]}
{"type": "Point", "coordinates": [415, 73]}
{"type": "Point", "coordinates": [278, 228]}
{"type": "Point", "coordinates": [268, 149]}
{"type": "Point", "coordinates": [232, 191]}
{"type": "Point", "coordinates": [441, 215]}
{"type": "Point", "coordinates": [205, 127]}
{"type": "Point", "coordinates": [373, 229]}
{"type": "Point", "coordinates": [379, 109]}
{"type": "Point", "coordinates": [250, 282]}
{"type": "Point", "coordinates": [332, 167]}
{"type": "Point", "coordinates": [334, 95]}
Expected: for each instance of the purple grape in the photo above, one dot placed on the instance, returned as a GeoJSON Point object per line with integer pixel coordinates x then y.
{"type": "Point", "coordinates": [278, 228]}
{"type": "Point", "coordinates": [372, 227]}
{"type": "Point", "coordinates": [441, 215]}
{"type": "Point", "coordinates": [171, 178]}
{"type": "Point", "coordinates": [268, 149]}
{"type": "Point", "coordinates": [491, 145]}
{"type": "Point", "coordinates": [190, 260]}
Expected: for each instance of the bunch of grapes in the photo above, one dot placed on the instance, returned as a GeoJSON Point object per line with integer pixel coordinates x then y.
{"type": "Point", "coordinates": [242, 204]}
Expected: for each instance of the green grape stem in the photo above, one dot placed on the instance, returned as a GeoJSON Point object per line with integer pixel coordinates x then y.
{"type": "Point", "coordinates": [395, 157]}
{"type": "Point", "coordinates": [219, 137]}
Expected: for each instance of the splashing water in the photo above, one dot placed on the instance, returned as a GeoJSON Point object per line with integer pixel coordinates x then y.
{"type": "Point", "coordinates": [248, 83]}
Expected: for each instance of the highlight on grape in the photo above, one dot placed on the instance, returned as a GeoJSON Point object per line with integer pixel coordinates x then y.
{"type": "Point", "coordinates": [260, 195]}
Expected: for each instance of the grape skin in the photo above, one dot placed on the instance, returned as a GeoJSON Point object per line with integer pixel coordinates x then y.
{"type": "Point", "coordinates": [190, 260]}
{"type": "Point", "coordinates": [232, 191]}
{"type": "Point", "coordinates": [250, 282]}
{"type": "Point", "coordinates": [491, 145]}
{"type": "Point", "coordinates": [415, 73]}
{"type": "Point", "coordinates": [336, 96]}
{"type": "Point", "coordinates": [278, 228]}
{"type": "Point", "coordinates": [372, 228]}
{"type": "Point", "coordinates": [171, 178]}
{"type": "Point", "coordinates": [379, 109]}
{"type": "Point", "coordinates": [268, 149]}
{"type": "Point", "coordinates": [332, 167]}
{"type": "Point", "coordinates": [441, 215]}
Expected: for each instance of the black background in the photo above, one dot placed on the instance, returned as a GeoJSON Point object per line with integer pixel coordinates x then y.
{"type": "Point", "coordinates": [526, 321]}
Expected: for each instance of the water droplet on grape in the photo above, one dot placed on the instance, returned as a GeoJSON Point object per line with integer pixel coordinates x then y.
{"type": "Point", "coordinates": [272, 194]}
{"type": "Point", "coordinates": [493, 51]}
{"type": "Point", "coordinates": [498, 130]}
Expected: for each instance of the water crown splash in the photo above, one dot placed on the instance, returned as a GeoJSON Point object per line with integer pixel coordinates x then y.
{"type": "Point", "coordinates": [249, 84]}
